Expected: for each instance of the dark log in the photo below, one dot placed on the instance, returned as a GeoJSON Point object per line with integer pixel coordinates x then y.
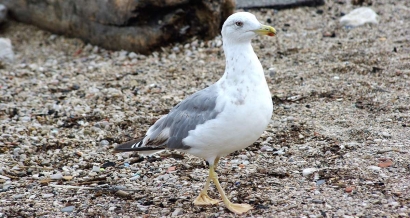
{"type": "Point", "coordinates": [134, 25]}
{"type": "Point", "coordinates": [277, 4]}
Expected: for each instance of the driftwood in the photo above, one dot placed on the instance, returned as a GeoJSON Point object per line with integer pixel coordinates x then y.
{"type": "Point", "coordinates": [277, 4]}
{"type": "Point", "coordinates": [134, 25]}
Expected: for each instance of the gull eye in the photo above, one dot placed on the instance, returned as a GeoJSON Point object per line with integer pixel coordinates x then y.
{"type": "Point", "coordinates": [238, 23]}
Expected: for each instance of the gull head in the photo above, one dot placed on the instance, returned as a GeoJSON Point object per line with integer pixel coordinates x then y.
{"type": "Point", "coordinates": [243, 26]}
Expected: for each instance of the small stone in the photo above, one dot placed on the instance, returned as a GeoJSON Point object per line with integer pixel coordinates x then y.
{"type": "Point", "coordinates": [308, 171]}
{"type": "Point", "coordinates": [122, 193]}
{"type": "Point", "coordinates": [359, 16]}
{"type": "Point", "coordinates": [68, 209]}
{"type": "Point", "coordinates": [374, 168]}
{"type": "Point", "coordinates": [243, 157]}
{"type": "Point", "coordinates": [67, 178]}
{"type": "Point", "coordinates": [132, 55]}
{"type": "Point", "coordinates": [6, 51]}
{"type": "Point", "coordinates": [56, 176]}
{"type": "Point", "coordinates": [48, 195]}
{"type": "Point", "coordinates": [96, 169]}
{"type": "Point", "coordinates": [349, 189]}
{"type": "Point", "coordinates": [18, 196]}
{"type": "Point", "coordinates": [266, 149]}
{"type": "Point", "coordinates": [385, 164]}
{"type": "Point", "coordinates": [104, 143]}
{"type": "Point", "coordinates": [25, 119]}
{"type": "Point", "coordinates": [320, 182]}
{"type": "Point", "coordinates": [272, 72]}
{"type": "Point", "coordinates": [177, 212]}
{"type": "Point", "coordinates": [112, 208]}
{"type": "Point", "coordinates": [135, 177]}
{"type": "Point", "coordinates": [92, 174]}
{"type": "Point", "coordinates": [386, 134]}
{"type": "Point", "coordinates": [171, 169]}
{"type": "Point", "coordinates": [317, 201]}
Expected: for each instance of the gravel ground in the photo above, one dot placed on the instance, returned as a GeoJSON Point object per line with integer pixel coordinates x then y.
{"type": "Point", "coordinates": [338, 143]}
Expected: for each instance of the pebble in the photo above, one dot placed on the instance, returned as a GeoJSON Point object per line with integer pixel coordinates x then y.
{"type": "Point", "coordinates": [104, 143]}
{"type": "Point", "coordinates": [385, 164]}
{"type": "Point", "coordinates": [320, 182]}
{"type": "Point", "coordinates": [132, 55]}
{"type": "Point", "coordinates": [6, 51]}
{"type": "Point", "coordinates": [374, 168]}
{"type": "Point", "coordinates": [68, 209]}
{"type": "Point", "coordinates": [317, 201]}
{"type": "Point", "coordinates": [135, 177]}
{"type": "Point", "coordinates": [272, 72]}
{"type": "Point", "coordinates": [386, 134]}
{"type": "Point", "coordinates": [25, 119]}
{"type": "Point", "coordinates": [96, 169]}
{"type": "Point", "coordinates": [177, 212]}
{"type": "Point", "coordinates": [18, 196]}
{"type": "Point", "coordinates": [243, 157]}
{"type": "Point", "coordinates": [358, 17]}
{"type": "Point", "coordinates": [56, 176]}
{"type": "Point", "coordinates": [349, 189]}
{"type": "Point", "coordinates": [308, 171]}
{"type": "Point", "coordinates": [48, 195]}
{"type": "Point", "coordinates": [6, 185]}
{"type": "Point", "coordinates": [92, 174]}
{"type": "Point", "coordinates": [266, 149]}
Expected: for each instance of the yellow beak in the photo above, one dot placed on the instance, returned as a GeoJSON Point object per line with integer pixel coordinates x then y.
{"type": "Point", "coordinates": [266, 30]}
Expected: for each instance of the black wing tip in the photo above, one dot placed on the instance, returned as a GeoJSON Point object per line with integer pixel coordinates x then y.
{"type": "Point", "coordinates": [133, 146]}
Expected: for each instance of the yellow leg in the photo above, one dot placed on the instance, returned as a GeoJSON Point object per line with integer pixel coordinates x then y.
{"type": "Point", "coordinates": [236, 208]}
{"type": "Point", "coordinates": [203, 198]}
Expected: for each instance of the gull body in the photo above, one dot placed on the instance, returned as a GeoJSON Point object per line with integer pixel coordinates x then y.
{"type": "Point", "coordinates": [245, 103]}
{"type": "Point", "coordinates": [227, 116]}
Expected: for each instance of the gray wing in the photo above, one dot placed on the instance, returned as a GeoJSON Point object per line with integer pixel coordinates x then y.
{"type": "Point", "coordinates": [170, 130]}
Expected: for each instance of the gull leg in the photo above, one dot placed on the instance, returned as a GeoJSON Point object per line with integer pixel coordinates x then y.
{"type": "Point", "coordinates": [203, 198]}
{"type": "Point", "coordinates": [236, 208]}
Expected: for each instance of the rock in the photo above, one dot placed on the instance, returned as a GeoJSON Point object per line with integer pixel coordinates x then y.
{"type": "Point", "coordinates": [385, 164]}
{"type": "Point", "coordinates": [48, 195]}
{"type": "Point", "coordinates": [6, 51]}
{"type": "Point", "coordinates": [3, 13]}
{"type": "Point", "coordinates": [67, 178]}
{"type": "Point", "coordinates": [56, 176]}
{"type": "Point", "coordinates": [386, 134]}
{"type": "Point", "coordinates": [18, 196]}
{"type": "Point", "coordinates": [68, 209]}
{"type": "Point", "coordinates": [104, 143]}
{"type": "Point", "coordinates": [349, 189]}
{"type": "Point", "coordinates": [358, 17]}
{"type": "Point", "coordinates": [320, 182]}
{"type": "Point", "coordinates": [308, 171]}
{"type": "Point", "coordinates": [96, 169]}
{"type": "Point", "coordinates": [374, 168]}
{"type": "Point", "coordinates": [123, 24]}
{"type": "Point", "coordinates": [266, 149]}
{"type": "Point", "coordinates": [177, 212]}
{"type": "Point", "coordinates": [243, 157]}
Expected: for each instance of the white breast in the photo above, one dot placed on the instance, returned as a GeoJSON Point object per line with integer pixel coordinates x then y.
{"type": "Point", "coordinates": [245, 116]}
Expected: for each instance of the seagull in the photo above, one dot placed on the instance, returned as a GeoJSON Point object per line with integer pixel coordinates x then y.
{"type": "Point", "coordinates": [225, 117]}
